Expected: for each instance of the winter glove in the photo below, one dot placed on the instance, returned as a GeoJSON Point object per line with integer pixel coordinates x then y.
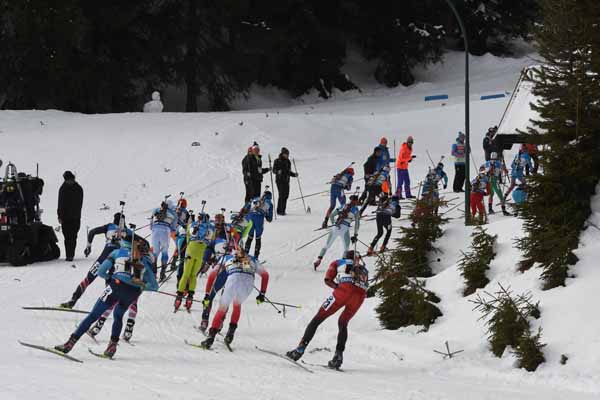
{"type": "Point", "coordinates": [353, 239]}
{"type": "Point", "coordinates": [260, 298]}
{"type": "Point", "coordinates": [139, 282]}
{"type": "Point", "coordinates": [88, 250]}
{"type": "Point", "coordinates": [206, 301]}
{"type": "Point", "coordinates": [413, 157]}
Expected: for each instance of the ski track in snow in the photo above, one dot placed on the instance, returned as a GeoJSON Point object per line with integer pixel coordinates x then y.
{"type": "Point", "coordinates": [124, 156]}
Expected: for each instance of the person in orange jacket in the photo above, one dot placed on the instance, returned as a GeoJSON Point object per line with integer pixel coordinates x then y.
{"type": "Point", "coordinates": [404, 157]}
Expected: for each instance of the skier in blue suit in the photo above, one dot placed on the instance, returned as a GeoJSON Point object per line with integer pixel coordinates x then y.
{"type": "Point", "coordinates": [129, 272]}
{"type": "Point", "coordinates": [259, 209]}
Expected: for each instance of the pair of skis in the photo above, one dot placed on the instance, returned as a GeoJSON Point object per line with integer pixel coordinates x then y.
{"type": "Point", "coordinates": [61, 354]}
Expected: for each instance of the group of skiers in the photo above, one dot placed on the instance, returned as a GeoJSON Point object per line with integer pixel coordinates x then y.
{"type": "Point", "coordinates": [129, 264]}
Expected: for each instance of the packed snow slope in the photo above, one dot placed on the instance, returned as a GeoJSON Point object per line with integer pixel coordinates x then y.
{"type": "Point", "coordinates": [140, 158]}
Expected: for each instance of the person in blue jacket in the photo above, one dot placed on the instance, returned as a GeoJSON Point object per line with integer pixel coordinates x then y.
{"type": "Point", "coordinates": [129, 272]}
{"type": "Point", "coordinates": [384, 158]}
{"type": "Point", "coordinates": [517, 169]}
{"type": "Point", "coordinates": [339, 183]}
{"type": "Point", "coordinates": [259, 209]}
{"type": "Point", "coordinates": [163, 223]}
{"type": "Point", "coordinates": [113, 233]}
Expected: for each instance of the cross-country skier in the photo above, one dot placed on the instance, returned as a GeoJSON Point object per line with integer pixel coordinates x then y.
{"type": "Point", "coordinates": [349, 279]}
{"type": "Point", "coordinates": [282, 168]}
{"type": "Point", "coordinates": [478, 191]}
{"type": "Point", "coordinates": [405, 156]}
{"type": "Point", "coordinates": [200, 235]}
{"type": "Point", "coordinates": [163, 223]}
{"type": "Point", "coordinates": [343, 217]}
{"type": "Point", "coordinates": [339, 183]}
{"type": "Point", "coordinates": [130, 272]}
{"type": "Point", "coordinates": [370, 169]}
{"type": "Point", "coordinates": [458, 152]}
{"type": "Point", "coordinates": [517, 169]}
{"type": "Point", "coordinates": [259, 209]}
{"type": "Point", "coordinates": [494, 170]}
{"type": "Point", "coordinates": [431, 188]}
{"type": "Point", "coordinates": [184, 218]}
{"type": "Point", "coordinates": [241, 269]}
{"type": "Point", "coordinates": [387, 208]}
{"type": "Point", "coordinates": [374, 187]}
{"type": "Point", "coordinates": [384, 158]}
{"type": "Point", "coordinates": [113, 232]}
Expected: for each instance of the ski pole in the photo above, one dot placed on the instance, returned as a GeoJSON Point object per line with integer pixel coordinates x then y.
{"type": "Point", "coordinates": [174, 295]}
{"type": "Point", "coordinates": [272, 187]}
{"type": "Point", "coordinates": [269, 301]}
{"type": "Point", "coordinates": [299, 186]}
{"type": "Point", "coordinates": [312, 241]}
{"type": "Point", "coordinates": [142, 227]}
{"type": "Point", "coordinates": [430, 159]}
{"type": "Point", "coordinates": [310, 195]}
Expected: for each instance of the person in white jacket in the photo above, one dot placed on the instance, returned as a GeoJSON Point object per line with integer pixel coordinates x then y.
{"type": "Point", "coordinates": [155, 105]}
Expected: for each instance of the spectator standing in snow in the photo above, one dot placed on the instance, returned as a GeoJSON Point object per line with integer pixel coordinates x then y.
{"type": "Point", "coordinates": [404, 157]}
{"type": "Point", "coordinates": [253, 172]}
{"type": "Point", "coordinates": [70, 201]}
{"type": "Point", "coordinates": [489, 144]}
{"type": "Point", "coordinates": [458, 152]}
{"type": "Point", "coordinates": [154, 105]}
{"type": "Point", "coordinates": [282, 168]}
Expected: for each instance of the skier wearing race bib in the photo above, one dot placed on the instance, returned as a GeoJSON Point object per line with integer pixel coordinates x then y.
{"type": "Point", "coordinates": [241, 270]}
{"type": "Point", "coordinates": [343, 217]}
{"type": "Point", "coordinates": [478, 191]}
{"type": "Point", "coordinates": [373, 187]}
{"type": "Point", "coordinates": [388, 207]}
{"type": "Point", "coordinates": [339, 183]}
{"type": "Point", "coordinates": [517, 169]}
{"type": "Point", "coordinates": [258, 210]}
{"type": "Point", "coordinates": [113, 232]}
{"type": "Point", "coordinates": [163, 222]}
{"type": "Point", "coordinates": [349, 279]}
{"type": "Point", "coordinates": [200, 235]}
{"type": "Point", "coordinates": [130, 272]}
{"type": "Point", "coordinates": [494, 171]}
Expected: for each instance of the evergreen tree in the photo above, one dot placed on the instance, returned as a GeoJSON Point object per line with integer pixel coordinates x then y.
{"type": "Point", "coordinates": [474, 264]}
{"type": "Point", "coordinates": [569, 87]}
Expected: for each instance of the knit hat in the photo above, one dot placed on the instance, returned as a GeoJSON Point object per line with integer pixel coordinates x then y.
{"type": "Point", "coordinates": [285, 151]}
{"type": "Point", "coordinates": [68, 175]}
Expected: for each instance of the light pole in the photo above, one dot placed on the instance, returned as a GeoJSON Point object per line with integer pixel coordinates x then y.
{"type": "Point", "coordinates": [467, 130]}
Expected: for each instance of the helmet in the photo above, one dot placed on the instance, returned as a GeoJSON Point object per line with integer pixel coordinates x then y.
{"type": "Point", "coordinates": [204, 217]}
{"type": "Point", "coordinates": [349, 255]}
{"type": "Point", "coordinates": [354, 198]}
{"type": "Point", "coordinates": [350, 170]}
{"type": "Point", "coordinates": [383, 141]}
{"type": "Point", "coordinates": [268, 194]}
{"type": "Point", "coordinates": [410, 140]}
{"type": "Point", "coordinates": [118, 217]}
{"type": "Point", "coordinates": [219, 218]}
{"type": "Point", "coordinates": [182, 203]}
{"type": "Point", "coordinates": [493, 155]}
{"type": "Point", "coordinates": [255, 202]}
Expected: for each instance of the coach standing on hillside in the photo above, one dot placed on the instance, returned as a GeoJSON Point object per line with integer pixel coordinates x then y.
{"type": "Point", "coordinates": [70, 200]}
{"type": "Point", "coordinates": [282, 168]}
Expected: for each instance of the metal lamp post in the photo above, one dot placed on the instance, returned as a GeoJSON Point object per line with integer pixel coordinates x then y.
{"type": "Point", "coordinates": [467, 130]}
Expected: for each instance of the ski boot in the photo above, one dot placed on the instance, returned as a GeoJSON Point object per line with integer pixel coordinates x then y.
{"type": "Point", "coordinates": [296, 353]}
{"type": "Point", "coordinates": [111, 349]}
{"type": "Point", "coordinates": [189, 301]}
{"type": "Point", "coordinates": [504, 212]}
{"type": "Point", "coordinates": [490, 209]}
{"type": "Point", "coordinates": [370, 251]}
{"type": "Point", "coordinates": [66, 347]}
{"type": "Point", "coordinates": [324, 224]}
{"type": "Point", "coordinates": [163, 273]}
{"type": "Point", "coordinates": [317, 262]}
{"type": "Point", "coordinates": [94, 330]}
{"type": "Point", "coordinates": [382, 249]}
{"type": "Point", "coordinates": [203, 326]}
{"type": "Point", "coordinates": [68, 304]}
{"type": "Point", "coordinates": [208, 342]}
{"type": "Point", "coordinates": [336, 361]}
{"type": "Point", "coordinates": [230, 332]}
{"type": "Point", "coordinates": [128, 330]}
{"type": "Point", "coordinates": [178, 300]}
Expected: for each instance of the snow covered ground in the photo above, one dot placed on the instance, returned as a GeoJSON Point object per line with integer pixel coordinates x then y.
{"type": "Point", "coordinates": [139, 158]}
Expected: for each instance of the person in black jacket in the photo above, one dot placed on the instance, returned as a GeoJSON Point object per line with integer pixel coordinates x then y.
{"type": "Point", "coordinates": [70, 200]}
{"type": "Point", "coordinates": [253, 172]}
{"type": "Point", "coordinates": [370, 169]}
{"type": "Point", "coordinates": [489, 144]}
{"type": "Point", "coordinates": [282, 168]}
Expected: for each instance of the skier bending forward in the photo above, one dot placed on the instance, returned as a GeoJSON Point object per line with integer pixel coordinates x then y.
{"type": "Point", "coordinates": [131, 274]}
{"type": "Point", "coordinates": [349, 279]}
{"type": "Point", "coordinates": [241, 269]}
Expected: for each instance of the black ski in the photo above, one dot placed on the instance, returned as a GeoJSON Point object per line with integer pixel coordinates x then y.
{"type": "Point", "coordinates": [50, 350]}
{"type": "Point", "coordinates": [100, 355]}
{"type": "Point", "coordinates": [56, 309]}
{"type": "Point", "coordinates": [322, 366]}
{"type": "Point", "coordinates": [285, 358]}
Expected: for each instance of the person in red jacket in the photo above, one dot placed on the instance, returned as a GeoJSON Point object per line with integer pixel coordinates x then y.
{"type": "Point", "coordinates": [404, 157]}
{"type": "Point", "coordinates": [349, 279]}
